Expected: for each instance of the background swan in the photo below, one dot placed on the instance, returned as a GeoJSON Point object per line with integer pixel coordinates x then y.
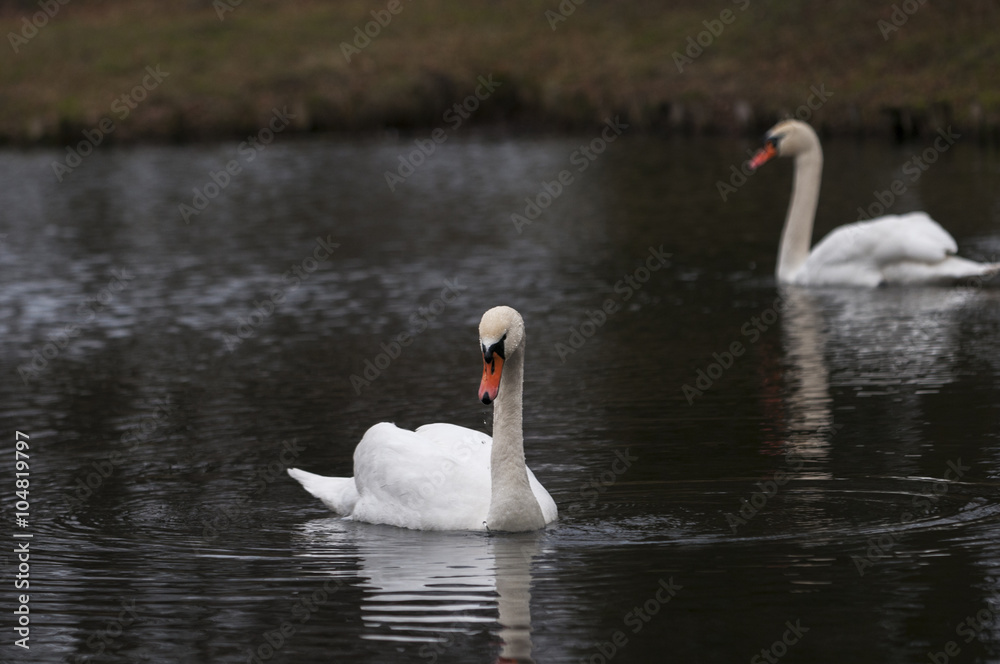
{"type": "Point", "coordinates": [894, 249]}
{"type": "Point", "coordinates": [447, 477]}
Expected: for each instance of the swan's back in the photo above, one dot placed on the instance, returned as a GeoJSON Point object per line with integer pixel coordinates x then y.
{"type": "Point", "coordinates": [457, 437]}
{"type": "Point", "coordinates": [886, 249]}
{"type": "Point", "coordinates": [434, 478]}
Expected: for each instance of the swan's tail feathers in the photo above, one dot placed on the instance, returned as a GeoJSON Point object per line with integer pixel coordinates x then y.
{"type": "Point", "coordinates": [976, 274]}
{"type": "Point", "coordinates": [338, 493]}
{"type": "Point", "coordinates": [952, 271]}
{"type": "Point", "coordinates": [991, 271]}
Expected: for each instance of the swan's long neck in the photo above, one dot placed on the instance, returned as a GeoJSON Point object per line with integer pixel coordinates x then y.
{"type": "Point", "coordinates": [513, 506]}
{"type": "Point", "coordinates": [796, 238]}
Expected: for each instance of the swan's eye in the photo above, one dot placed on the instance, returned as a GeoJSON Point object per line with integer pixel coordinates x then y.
{"type": "Point", "coordinates": [495, 348]}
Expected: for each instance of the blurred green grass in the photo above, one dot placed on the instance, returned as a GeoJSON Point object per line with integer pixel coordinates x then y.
{"type": "Point", "coordinates": [606, 58]}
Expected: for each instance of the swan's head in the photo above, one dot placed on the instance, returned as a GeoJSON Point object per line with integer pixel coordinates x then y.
{"type": "Point", "coordinates": [788, 138]}
{"type": "Point", "coordinates": [501, 333]}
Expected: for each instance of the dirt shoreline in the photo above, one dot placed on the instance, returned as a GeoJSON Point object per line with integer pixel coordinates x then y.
{"type": "Point", "coordinates": [179, 71]}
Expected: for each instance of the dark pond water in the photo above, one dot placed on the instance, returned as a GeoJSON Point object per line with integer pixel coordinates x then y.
{"type": "Point", "coordinates": [831, 494]}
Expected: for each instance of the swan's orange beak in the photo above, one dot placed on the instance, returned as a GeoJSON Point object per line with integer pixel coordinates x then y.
{"type": "Point", "coordinates": [764, 155]}
{"type": "Point", "coordinates": [490, 385]}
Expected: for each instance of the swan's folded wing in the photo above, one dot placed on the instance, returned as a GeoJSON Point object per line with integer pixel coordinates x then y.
{"type": "Point", "coordinates": [453, 434]}
{"type": "Point", "coordinates": [867, 253]}
{"type": "Point", "coordinates": [913, 237]}
{"type": "Point", "coordinates": [436, 478]}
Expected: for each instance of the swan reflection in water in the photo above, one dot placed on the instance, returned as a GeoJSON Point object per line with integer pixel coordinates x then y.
{"type": "Point", "coordinates": [895, 344]}
{"type": "Point", "coordinates": [875, 353]}
{"type": "Point", "coordinates": [433, 589]}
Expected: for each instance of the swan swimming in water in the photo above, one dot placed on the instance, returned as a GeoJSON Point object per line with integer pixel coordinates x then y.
{"type": "Point", "coordinates": [906, 249]}
{"type": "Point", "coordinates": [447, 477]}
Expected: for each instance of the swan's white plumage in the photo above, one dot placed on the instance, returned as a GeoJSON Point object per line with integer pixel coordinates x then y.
{"type": "Point", "coordinates": [907, 248]}
{"type": "Point", "coordinates": [339, 494]}
{"type": "Point", "coordinates": [434, 478]}
{"type": "Point", "coordinates": [447, 477]}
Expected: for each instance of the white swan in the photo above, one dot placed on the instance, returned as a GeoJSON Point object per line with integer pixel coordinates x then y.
{"type": "Point", "coordinates": [447, 477]}
{"type": "Point", "coordinates": [894, 249]}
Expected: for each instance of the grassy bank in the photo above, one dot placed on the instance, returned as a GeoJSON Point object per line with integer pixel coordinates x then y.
{"type": "Point", "coordinates": [223, 76]}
